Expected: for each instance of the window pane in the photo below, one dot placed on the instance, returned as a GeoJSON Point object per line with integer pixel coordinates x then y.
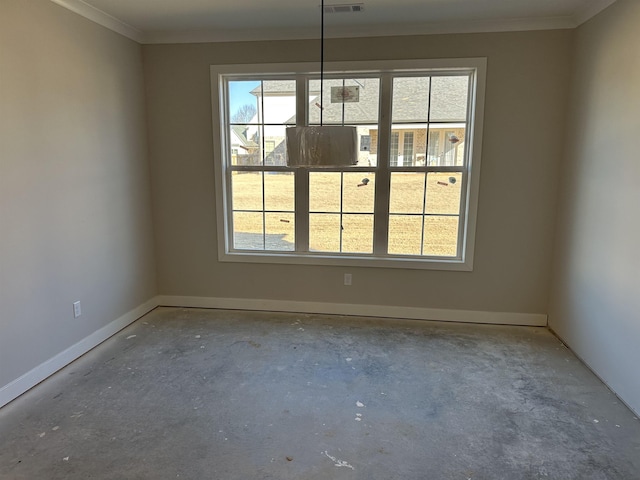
{"type": "Point", "coordinates": [408, 145]}
{"type": "Point", "coordinates": [358, 191]}
{"type": "Point", "coordinates": [324, 191]}
{"type": "Point", "coordinates": [366, 109]}
{"type": "Point", "coordinates": [405, 234]}
{"type": "Point", "coordinates": [275, 146]}
{"type": "Point", "coordinates": [410, 99]}
{"type": "Point", "coordinates": [243, 101]}
{"type": "Point", "coordinates": [362, 111]}
{"type": "Point", "coordinates": [446, 145]}
{"type": "Point", "coordinates": [279, 231]}
{"type": "Point", "coordinates": [440, 236]}
{"type": "Point", "coordinates": [367, 145]}
{"type": "Point", "coordinates": [407, 193]}
{"type": "Point", "coordinates": [324, 232]}
{"type": "Point", "coordinates": [449, 99]}
{"type": "Point", "coordinates": [278, 102]}
{"type": "Point", "coordinates": [443, 192]}
{"type": "Point", "coordinates": [357, 233]}
{"type": "Point", "coordinates": [246, 144]}
{"type": "Point", "coordinates": [362, 114]}
{"type": "Point", "coordinates": [248, 231]}
{"type": "Point", "coordinates": [332, 113]}
{"type": "Point", "coordinates": [456, 140]}
{"type": "Point", "coordinates": [246, 189]}
{"type": "Point", "coordinates": [279, 191]}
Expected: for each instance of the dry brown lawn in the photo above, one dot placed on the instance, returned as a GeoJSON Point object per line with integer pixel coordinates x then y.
{"type": "Point", "coordinates": [354, 228]}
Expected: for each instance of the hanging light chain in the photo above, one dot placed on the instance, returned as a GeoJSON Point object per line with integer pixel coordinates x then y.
{"type": "Point", "coordinates": [321, 60]}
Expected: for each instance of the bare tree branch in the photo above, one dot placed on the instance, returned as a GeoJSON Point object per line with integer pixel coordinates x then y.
{"type": "Point", "coordinates": [244, 114]}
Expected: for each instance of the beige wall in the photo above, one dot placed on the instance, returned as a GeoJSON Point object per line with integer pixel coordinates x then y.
{"type": "Point", "coordinates": [74, 182]}
{"type": "Point", "coordinates": [527, 85]}
{"type": "Point", "coordinates": [595, 303]}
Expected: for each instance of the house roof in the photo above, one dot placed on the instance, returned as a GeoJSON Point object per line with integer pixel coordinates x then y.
{"type": "Point", "coordinates": [285, 87]}
{"type": "Point", "coordinates": [448, 95]}
{"type": "Point", "coordinates": [239, 134]}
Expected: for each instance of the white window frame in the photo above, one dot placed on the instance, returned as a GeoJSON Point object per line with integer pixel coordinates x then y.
{"type": "Point", "coordinates": [470, 190]}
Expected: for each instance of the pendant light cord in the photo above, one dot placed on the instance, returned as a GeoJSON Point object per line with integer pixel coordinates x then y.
{"type": "Point", "coordinates": [321, 59]}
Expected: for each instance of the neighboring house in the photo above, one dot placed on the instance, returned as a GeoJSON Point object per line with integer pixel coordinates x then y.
{"type": "Point", "coordinates": [411, 142]}
{"type": "Point", "coordinates": [243, 150]}
{"type": "Point", "coordinates": [276, 104]}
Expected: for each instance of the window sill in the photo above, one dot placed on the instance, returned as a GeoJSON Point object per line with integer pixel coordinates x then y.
{"type": "Point", "coordinates": [414, 263]}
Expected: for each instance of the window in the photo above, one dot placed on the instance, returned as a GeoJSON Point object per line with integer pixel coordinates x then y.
{"type": "Point", "coordinates": [409, 202]}
{"type": "Point", "coordinates": [393, 153]}
{"type": "Point", "coordinates": [365, 143]}
{"type": "Point", "coordinates": [407, 149]}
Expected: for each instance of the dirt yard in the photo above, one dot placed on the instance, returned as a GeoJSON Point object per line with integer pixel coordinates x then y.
{"type": "Point", "coordinates": [351, 224]}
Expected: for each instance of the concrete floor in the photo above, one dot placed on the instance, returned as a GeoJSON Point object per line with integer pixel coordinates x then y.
{"type": "Point", "coordinates": [215, 394]}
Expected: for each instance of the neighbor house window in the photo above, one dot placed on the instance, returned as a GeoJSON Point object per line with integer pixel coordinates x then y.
{"type": "Point", "coordinates": [365, 143]}
{"type": "Point", "coordinates": [409, 202]}
{"type": "Point", "coordinates": [407, 149]}
{"type": "Point", "coordinates": [393, 149]}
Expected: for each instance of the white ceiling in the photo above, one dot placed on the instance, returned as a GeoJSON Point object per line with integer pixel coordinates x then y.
{"type": "Point", "coordinates": [162, 21]}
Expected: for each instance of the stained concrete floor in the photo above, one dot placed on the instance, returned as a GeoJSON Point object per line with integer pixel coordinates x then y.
{"type": "Point", "coordinates": [215, 394]}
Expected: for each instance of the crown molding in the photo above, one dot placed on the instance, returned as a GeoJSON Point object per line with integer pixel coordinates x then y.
{"type": "Point", "coordinates": [238, 35]}
{"type": "Point", "coordinates": [594, 8]}
{"type": "Point", "coordinates": [404, 29]}
{"type": "Point", "coordinates": [101, 18]}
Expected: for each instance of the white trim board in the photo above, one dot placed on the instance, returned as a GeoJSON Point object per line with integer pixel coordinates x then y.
{"type": "Point", "coordinates": [98, 16]}
{"type": "Point", "coordinates": [362, 31]}
{"type": "Point", "coordinates": [14, 389]}
{"type": "Point", "coordinates": [384, 311]}
{"type": "Point", "coordinates": [101, 18]}
{"type": "Point", "coordinates": [17, 387]}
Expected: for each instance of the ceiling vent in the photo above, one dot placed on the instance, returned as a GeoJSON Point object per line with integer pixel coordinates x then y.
{"type": "Point", "coordinates": [344, 8]}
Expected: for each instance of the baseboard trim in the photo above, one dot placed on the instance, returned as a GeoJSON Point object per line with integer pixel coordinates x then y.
{"type": "Point", "coordinates": [384, 311]}
{"type": "Point", "coordinates": [17, 387]}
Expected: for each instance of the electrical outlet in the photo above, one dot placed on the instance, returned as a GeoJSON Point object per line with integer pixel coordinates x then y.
{"type": "Point", "coordinates": [347, 279]}
{"type": "Point", "coordinates": [77, 311]}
